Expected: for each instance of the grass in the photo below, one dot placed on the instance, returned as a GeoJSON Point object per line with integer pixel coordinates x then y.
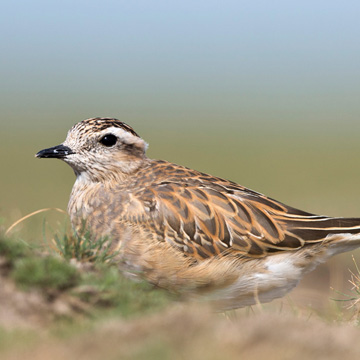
{"type": "Point", "coordinates": [355, 282]}
{"type": "Point", "coordinates": [83, 247]}
{"type": "Point", "coordinates": [88, 276]}
{"type": "Point", "coordinates": [352, 299]}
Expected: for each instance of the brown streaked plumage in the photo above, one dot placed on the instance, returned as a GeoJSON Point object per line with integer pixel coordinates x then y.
{"type": "Point", "coordinates": [189, 231]}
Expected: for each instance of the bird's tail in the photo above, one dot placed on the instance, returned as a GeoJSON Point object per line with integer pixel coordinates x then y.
{"type": "Point", "coordinates": [341, 234]}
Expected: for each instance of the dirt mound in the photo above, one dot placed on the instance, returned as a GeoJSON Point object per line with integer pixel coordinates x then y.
{"type": "Point", "coordinates": [33, 308]}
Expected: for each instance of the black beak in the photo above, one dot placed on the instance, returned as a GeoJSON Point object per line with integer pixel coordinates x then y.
{"type": "Point", "coordinates": [57, 152]}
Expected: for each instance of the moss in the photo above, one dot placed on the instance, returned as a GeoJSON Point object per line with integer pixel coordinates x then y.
{"type": "Point", "coordinates": [44, 272]}
{"type": "Point", "coordinates": [12, 249]}
{"type": "Point", "coordinates": [110, 289]}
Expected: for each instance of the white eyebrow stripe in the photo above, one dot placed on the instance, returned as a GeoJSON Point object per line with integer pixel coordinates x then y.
{"type": "Point", "coordinates": [126, 137]}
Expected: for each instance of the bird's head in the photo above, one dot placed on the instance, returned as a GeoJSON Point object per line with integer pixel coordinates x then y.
{"type": "Point", "coordinates": [99, 149]}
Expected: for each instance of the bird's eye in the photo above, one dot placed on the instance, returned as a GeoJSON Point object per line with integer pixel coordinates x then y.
{"type": "Point", "coordinates": [108, 140]}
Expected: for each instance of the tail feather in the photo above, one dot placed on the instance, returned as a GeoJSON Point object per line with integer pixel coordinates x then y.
{"type": "Point", "coordinates": [322, 228]}
{"type": "Point", "coordinates": [339, 234]}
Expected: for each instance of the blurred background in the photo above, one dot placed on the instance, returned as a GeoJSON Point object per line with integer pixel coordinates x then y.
{"type": "Point", "coordinates": [263, 93]}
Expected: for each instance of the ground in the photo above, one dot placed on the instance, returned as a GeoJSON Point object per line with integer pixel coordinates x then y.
{"type": "Point", "coordinates": [55, 308]}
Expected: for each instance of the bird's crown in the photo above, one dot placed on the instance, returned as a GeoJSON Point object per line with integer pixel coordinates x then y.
{"type": "Point", "coordinates": [98, 124]}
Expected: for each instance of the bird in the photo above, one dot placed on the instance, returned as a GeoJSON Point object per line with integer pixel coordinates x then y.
{"type": "Point", "coordinates": [186, 231]}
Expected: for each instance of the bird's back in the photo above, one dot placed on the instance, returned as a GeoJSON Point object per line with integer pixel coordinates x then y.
{"type": "Point", "coordinates": [204, 216]}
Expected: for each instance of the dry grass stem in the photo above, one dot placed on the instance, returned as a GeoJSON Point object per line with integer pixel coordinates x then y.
{"type": "Point", "coordinates": [30, 215]}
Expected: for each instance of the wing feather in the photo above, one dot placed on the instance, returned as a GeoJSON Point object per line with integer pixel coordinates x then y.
{"type": "Point", "coordinates": [204, 216]}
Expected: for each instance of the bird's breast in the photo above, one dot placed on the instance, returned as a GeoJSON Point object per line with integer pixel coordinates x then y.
{"type": "Point", "coordinates": [97, 209]}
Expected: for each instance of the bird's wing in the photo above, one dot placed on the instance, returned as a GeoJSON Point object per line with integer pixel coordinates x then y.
{"type": "Point", "coordinates": [208, 218]}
